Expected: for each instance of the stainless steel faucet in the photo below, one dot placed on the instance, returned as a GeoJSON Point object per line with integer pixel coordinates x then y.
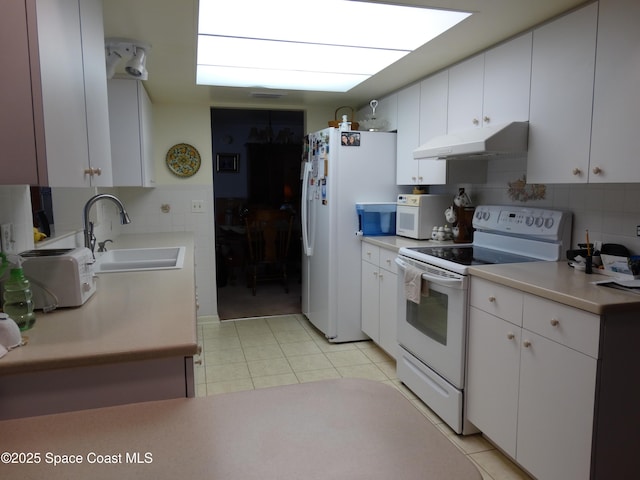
{"type": "Point", "coordinates": [89, 237]}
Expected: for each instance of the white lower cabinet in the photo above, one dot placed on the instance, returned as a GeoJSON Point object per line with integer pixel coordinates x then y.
{"type": "Point", "coordinates": [531, 379]}
{"type": "Point", "coordinates": [380, 296]}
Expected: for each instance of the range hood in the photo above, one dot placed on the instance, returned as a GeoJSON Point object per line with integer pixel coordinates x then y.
{"type": "Point", "coordinates": [508, 138]}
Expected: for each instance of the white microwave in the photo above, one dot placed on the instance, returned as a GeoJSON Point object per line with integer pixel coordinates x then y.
{"type": "Point", "coordinates": [416, 215]}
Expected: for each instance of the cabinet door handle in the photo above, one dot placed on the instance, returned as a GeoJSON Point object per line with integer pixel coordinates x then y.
{"type": "Point", "coordinates": [576, 171]}
{"type": "Point", "coordinates": [420, 179]}
{"type": "Point", "coordinates": [526, 344]}
{"type": "Point", "coordinates": [492, 299]}
{"type": "Point", "coordinates": [381, 276]}
{"type": "Point", "coordinates": [375, 274]}
{"type": "Point", "coordinates": [511, 335]}
{"type": "Point", "coordinates": [475, 121]}
{"type": "Point", "coordinates": [554, 322]}
{"type": "Point", "coordinates": [486, 119]}
{"type": "Point", "coordinates": [93, 171]}
{"type": "Point", "coordinates": [596, 170]}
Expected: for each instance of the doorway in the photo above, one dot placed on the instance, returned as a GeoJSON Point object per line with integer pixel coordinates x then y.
{"type": "Point", "coordinates": [257, 157]}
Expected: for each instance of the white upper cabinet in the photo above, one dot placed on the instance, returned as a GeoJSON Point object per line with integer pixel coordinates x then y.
{"type": "Point", "coordinates": [465, 94]}
{"type": "Point", "coordinates": [408, 136]}
{"type": "Point", "coordinates": [491, 88]}
{"type": "Point", "coordinates": [562, 72]}
{"type": "Point", "coordinates": [507, 82]}
{"type": "Point", "coordinates": [74, 92]}
{"type": "Point", "coordinates": [615, 142]}
{"type": "Point", "coordinates": [130, 116]}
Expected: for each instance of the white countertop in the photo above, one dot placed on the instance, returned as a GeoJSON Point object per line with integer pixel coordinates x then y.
{"type": "Point", "coordinates": [132, 316]}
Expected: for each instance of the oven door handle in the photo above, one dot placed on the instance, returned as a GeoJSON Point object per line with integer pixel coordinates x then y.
{"type": "Point", "coordinates": [433, 278]}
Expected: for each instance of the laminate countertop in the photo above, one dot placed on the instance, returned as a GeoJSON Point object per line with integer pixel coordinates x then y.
{"type": "Point", "coordinates": [131, 316]}
{"type": "Point", "coordinates": [559, 282]}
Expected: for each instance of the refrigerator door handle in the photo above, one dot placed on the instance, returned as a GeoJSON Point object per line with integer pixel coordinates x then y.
{"type": "Point", "coordinates": [306, 241]}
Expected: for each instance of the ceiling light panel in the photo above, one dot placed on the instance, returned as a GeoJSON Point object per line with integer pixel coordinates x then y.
{"type": "Point", "coordinates": [332, 36]}
{"type": "Point", "coordinates": [279, 79]}
{"type": "Point", "coordinates": [268, 54]}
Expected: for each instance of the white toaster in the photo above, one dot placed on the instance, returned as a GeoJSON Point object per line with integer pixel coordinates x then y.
{"type": "Point", "coordinates": [61, 277]}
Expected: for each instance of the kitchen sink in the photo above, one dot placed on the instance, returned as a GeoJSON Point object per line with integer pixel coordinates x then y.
{"type": "Point", "coordinates": [140, 259]}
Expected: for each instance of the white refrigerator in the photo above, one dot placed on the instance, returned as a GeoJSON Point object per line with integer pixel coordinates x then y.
{"type": "Point", "coordinates": [342, 169]}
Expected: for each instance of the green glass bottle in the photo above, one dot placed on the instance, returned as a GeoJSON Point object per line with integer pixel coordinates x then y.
{"type": "Point", "coordinates": [18, 303]}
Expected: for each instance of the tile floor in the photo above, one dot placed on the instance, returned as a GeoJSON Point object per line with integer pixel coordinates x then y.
{"type": "Point", "coordinates": [263, 352]}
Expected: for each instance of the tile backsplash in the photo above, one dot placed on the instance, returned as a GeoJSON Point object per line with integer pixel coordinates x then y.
{"type": "Point", "coordinates": [15, 208]}
{"type": "Point", "coordinates": [610, 212]}
{"type": "Point", "coordinates": [147, 216]}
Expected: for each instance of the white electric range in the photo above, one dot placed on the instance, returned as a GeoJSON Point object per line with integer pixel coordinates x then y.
{"type": "Point", "coordinates": [432, 333]}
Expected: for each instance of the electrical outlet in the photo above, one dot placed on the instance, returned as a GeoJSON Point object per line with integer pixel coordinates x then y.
{"type": "Point", "coordinates": [197, 206]}
{"type": "Point", "coordinates": [6, 234]}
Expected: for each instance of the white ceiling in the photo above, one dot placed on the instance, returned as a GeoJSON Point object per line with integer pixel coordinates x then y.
{"type": "Point", "coordinates": [170, 26]}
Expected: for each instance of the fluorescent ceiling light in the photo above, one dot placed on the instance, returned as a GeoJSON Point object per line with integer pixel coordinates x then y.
{"type": "Point", "coordinates": [334, 44]}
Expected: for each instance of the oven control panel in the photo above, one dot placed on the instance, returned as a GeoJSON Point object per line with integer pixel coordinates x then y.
{"type": "Point", "coordinates": [529, 221]}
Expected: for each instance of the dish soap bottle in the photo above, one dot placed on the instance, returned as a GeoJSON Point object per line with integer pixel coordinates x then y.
{"type": "Point", "coordinates": [18, 303]}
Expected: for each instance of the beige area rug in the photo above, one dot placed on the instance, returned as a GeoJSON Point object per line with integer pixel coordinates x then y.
{"type": "Point", "coordinates": [237, 301]}
{"type": "Point", "coordinates": [336, 429]}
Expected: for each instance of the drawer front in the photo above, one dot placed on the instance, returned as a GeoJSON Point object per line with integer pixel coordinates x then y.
{"type": "Point", "coordinates": [498, 300]}
{"type": "Point", "coordinates": [370, 253]}
{"type": "Point", "coordinates": [388, 260]}
{"type": "Point", "coordinates": [566, 325]}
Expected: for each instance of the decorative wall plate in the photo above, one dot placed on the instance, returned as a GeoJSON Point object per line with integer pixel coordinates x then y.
{"type": "Point", "coordinates": [183, 160]}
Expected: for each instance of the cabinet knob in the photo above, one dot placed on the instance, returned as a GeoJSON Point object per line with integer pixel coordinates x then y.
{"type": "Point", "coordinates": [577, 171]}
{"type": "Point", "coordinates": [554, 322]}
{"type": "Point", "coordinates": [511, 335]}
{"type": "Point", "coordinates": [526, 344]}
{"type": "Point", "coordinates": [420, 179]}
{"type": "Point", "coordinates": [492, 299]}
{"type": "Point", "coordinates": [596, 170]}
{"type": "Point", "coordinates": [388, 261]}
{"type": "Point", "coordinates": [414, 178]}
{"type": "Point", "coordinates": [486, 120]}
{"type": "Point", "coordinates": [93, 171]}
{"type": "Point", "coordinates": [475, 121]}
{"type": "Point", "coordinates": [380, 276]}
{"type": "Point", "coordinates": [198, 362]}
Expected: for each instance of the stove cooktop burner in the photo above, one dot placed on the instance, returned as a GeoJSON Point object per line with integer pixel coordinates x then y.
{"type": "Point", "coordinates": [470, 255]}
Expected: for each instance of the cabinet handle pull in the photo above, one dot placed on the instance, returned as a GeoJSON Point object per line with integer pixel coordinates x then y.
{"type": "Point", "coordinates": [198, 362]}
{"type": "Point", "coordinates": [93, 171]}
{"type": "Point", "coordinates": [597, 170]}
{"type": "Point", "coordinates": [554, 322]}
{"type": "Point", "coordinates": [511, 335]}
{"type": "Point", "coordinates": [375, 274]}
{"type": "Point", "coordinates": [381, 276]}
{"type": "Point", "coordinates": [526, 344]}
{"type": "Point", "coordinates": [492, 299]}
{"type": "Point", "coordinates": [475, 121]}
{"type": "Point", "coordinates": [420, 179]}
{"type": "Point", "coordinates": [577, 171]}
{"type": "Point", "coordinates": [486, 119]}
